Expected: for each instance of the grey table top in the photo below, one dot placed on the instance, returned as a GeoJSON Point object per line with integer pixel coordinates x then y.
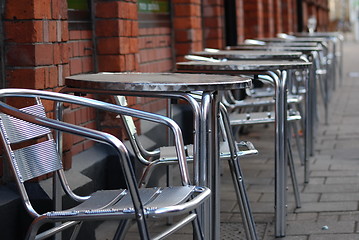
{"type": "Point", "coordinates": [301, 39]}
{"type": "Point", "coordinates": [293, 44]}
{"type": "Point", "coordinates": [269, 48]}
{"type": "Point", "coordinates": [251, 55]}
{"type": "Point", "coordinates": [318, 34]}
{"type": "Point", "coordinates": [241, 65]}
{"type": "Point", "coordinates": [156, 82]}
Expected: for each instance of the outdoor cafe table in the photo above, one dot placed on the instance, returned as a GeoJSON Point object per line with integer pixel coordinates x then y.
{"type": "Point", "coordinates": [277, 55]}
{"type": "Point", "coordinates": [328, 45]}
{"type": "Point", "coordinates": [336, 38]}
{"type": "Point", "coordinates": [277, 70]}
{"type": "Point", "coordinates": [176, 85]}
{"type": "Point", "coordinates": [250, 55]}
{"type": "Point", "coordinates": [312, 54]}
{"type": "Point", "coordinates": [269, 47]}
{"type": "Point", "coordinates": [319, 40]}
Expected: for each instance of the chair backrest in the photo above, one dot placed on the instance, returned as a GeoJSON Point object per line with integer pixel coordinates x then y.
{"type": "Point", "coordinates": [128, 121]}
{"type": "Point", "coordinates": [29, 146]}
{"type": "Point", "coordinates": [141, 153]}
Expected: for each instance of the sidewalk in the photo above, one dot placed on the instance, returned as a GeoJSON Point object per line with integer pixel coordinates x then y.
{"type": "Point", "coordinates": [329, 201]}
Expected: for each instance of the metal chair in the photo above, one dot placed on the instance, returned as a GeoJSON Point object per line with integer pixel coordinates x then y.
{"type": "Point", "coordinates": [257, 110]}
{"type": "Point", "coordinates": [261, 106]}
{"type": "Point", "coordinates": [230, 150]}
{"type": "Point", "coordinates": [254, 118]}
{"type": "Point", "coordinates": [27, 138]}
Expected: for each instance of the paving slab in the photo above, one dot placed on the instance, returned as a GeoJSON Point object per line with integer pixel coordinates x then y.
{"type": "Point", "coordinates": [325, 227]}
{"type": "Point", "coordinates": [333, 236]}
{"type": "Point", "coordinates": [328, 206]}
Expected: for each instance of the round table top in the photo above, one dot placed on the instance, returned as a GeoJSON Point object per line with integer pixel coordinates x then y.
{"type": "Point", "coordinates": [269, 48]}
{"type": "Point", "coordinates": [298, 39]}
{"type": "Point", "coordinates": [318, 34]}
{"type": "Point", "coordinates": [250, 55]}
{"type": "Point", "coordinates": [241, 65]}
{"type": "Point", "coordinates": [293, 44]}
{"type": "Point", "coordinates": [156, 82]}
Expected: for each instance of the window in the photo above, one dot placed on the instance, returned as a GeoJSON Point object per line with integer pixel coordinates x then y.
{"type": "Point", "coordinates": [79, 12]}
{"type": "Point", "coordinates": [153, 13]}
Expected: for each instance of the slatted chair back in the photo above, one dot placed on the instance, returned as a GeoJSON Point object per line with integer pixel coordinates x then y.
{"type": "Point", "coordinates": [25, 146]}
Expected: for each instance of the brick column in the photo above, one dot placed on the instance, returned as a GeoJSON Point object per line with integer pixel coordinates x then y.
{"type": "Point", "coordinates": [36, 44]}
{"type": "Point", "coordinates": [318, 14]}
{"type": "Point", "coordinates": [187, 26]}
{"type": "Point", "coordinates": [287, 15]}
{"type": "Point", "coordinates": [305, 16]}
{"type": "Point", "coordinates": [269, 20]}
{"type": "Point", "coordinates": [213, 23]}
{"type": "Point", "coordinates": [240, 20]}
{"type": "Point", "coordinates": [294, 16]}
{"type": "Point", "coordinates": [117, 35]}
{"type": "Point", "coordinates": [277, 5]}
{"type": "Point", "coordinates": [322, 16]}
{"type": "Point", "coordinates": [253, 18]}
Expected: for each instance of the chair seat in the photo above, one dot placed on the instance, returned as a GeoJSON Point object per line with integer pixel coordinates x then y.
{"type": "Point", "coordinates": [270, 92]}
{"type": "Point", "coordinates": [245, 148]}
{"type": "Point", "coordinates": [166, 201]}
{"type": "Point", "coordinates": [169, 152]}
{"type": "Point", "coordinates": [260, 117]}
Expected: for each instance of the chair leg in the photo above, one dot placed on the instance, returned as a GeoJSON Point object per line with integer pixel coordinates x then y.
{"type": "Point", "coordinates": [238, 183]}
{"type": "Point", "coordinates": [76, 231]}
{"type": "Point", "coordinates": [248, 221]}
{"type": "Point", "coordinates": [197, 230]}
{"type": "Point", "coordinates": [294, 128]}
{"type": "Point", "coordinates": [293, 175]}
{"type": "Point", "coordinates": [32, 231]}
{"type": "Point", "coordinates": [122, 228]}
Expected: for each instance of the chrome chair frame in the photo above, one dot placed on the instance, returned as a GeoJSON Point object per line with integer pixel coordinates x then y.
{"type": "Point", "coordinates": [229, 150]}
{"type": "Point", "coordinates": [130, 203]}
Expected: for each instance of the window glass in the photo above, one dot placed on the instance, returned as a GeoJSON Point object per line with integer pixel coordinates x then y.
{"type": "Point", "coordinates": [153, 13]}
{"type": "Point", "coordinates": [79, 14]}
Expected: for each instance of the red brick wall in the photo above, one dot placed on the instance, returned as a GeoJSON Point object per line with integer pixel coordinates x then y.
{"type": "Point", "coordinates": [287, 15]}
{"type": "Point", "coordinates": [117, 47]}
{"type": "Point", "coordinates": [253, 19]}
{"type": "Point", "coordinates": [117, 35]}
{"type": "Point", "coordinates": [269, 21]}
{"type": "Point", "coordinates": [187, 27]}
{"type": "Point", "coordinates": [213, 23]}
{"type": "Point", "coordinates": [36, 44]}
{"type": "Point", "coordinates": [123, 47]}
{"type": "Point", "coordinates": [155, 50]}
{"type": "Point", "coordinates": [278, 28]}
{"type": "Point", "coordinates": [323, 15]}
{"type": "Point", "coordinates": [240, 20]}
{"type": "Point", "coordinates": [294, 16]}
{"type": "Point", "coordinates": [306, 14]}
{"type": "Point", "coordinates": [80, 51]}
{"type": "Point", "coordinates": [319, 9]}
{"type": "Point", "coordinates": [38, 48]}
